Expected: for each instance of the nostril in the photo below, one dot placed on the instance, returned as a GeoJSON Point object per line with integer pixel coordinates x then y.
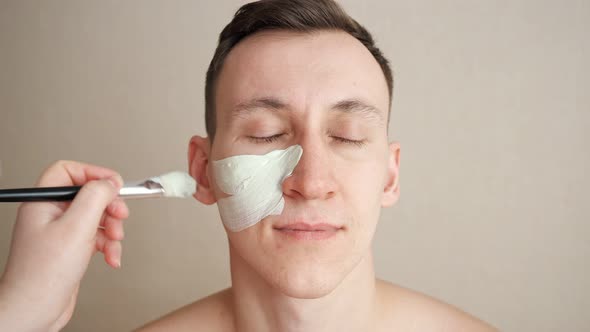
{"type": "Point", "coordinates": [308, 187]}
{"type": "Point", "coordinates": [310, 179]}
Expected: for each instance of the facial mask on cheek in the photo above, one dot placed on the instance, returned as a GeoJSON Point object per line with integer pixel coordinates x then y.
{"type": "Point", "coordinates": [255, 185]}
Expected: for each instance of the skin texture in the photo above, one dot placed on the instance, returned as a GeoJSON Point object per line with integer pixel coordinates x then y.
{"type": "Point", "coordinates": [325, 92]}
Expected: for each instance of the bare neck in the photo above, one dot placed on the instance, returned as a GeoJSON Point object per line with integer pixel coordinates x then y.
{"type": "Point", "coordinates": [257, 306]}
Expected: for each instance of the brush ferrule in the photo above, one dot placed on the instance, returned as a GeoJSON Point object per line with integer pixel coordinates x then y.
{"type": "Point", "coordinates": [144, 189]}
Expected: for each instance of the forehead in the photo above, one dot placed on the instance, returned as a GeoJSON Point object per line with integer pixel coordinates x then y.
{"type": "Point", "coordinates": [302, 69]}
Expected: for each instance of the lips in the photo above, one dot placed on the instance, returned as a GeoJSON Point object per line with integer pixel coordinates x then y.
{"type": "Point", "coordinates": [305, 231]}
{"type": "Point", "coordinates": [300, 226]}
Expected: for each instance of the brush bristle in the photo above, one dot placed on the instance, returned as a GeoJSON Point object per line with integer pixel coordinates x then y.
{"type": "Point", "coordinates": [177, 184]}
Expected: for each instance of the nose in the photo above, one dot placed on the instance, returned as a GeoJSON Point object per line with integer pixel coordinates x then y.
{"type": "Point", "coordinates": [313, 177]}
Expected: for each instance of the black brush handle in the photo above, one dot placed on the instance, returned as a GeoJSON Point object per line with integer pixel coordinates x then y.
{"type": "Point", "coordinates": [39, 194]}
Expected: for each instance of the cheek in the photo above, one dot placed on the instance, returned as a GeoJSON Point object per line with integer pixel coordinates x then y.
{"type": "Point", "coordinates": [245, 242]}
{"type": "Point", "coordinates": [213, 184]}
{"type": "Point", "coordinates": [361, 188]}
{"type": "Point", "coordinates": [361, 180]}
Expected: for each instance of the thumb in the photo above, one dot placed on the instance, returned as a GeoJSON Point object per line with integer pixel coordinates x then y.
{"type": "Point", "coordinates": [91, 201]}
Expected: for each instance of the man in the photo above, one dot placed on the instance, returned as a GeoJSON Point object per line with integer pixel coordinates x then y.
{"type": "Point", "coordinates": [284, 73]}
{"type": "Point", "coordinates": [304, 72]}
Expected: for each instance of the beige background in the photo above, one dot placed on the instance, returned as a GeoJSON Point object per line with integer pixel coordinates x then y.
{"type": "Point", "coordinates": [491, 107]}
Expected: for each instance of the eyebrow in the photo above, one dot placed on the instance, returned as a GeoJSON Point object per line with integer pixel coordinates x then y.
{"type": "Point", "coordinates": [357, 106]}
{"type": "Point", "coordinates": [268, 103]}
{"type": "Point", "coordinates": [348, 106]}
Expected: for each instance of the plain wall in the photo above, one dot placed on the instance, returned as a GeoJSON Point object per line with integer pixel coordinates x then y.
{"type": "Point", "coordinates": [491, 107]}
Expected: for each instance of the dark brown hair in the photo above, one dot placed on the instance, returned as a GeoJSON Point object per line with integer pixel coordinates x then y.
{"type": "Point", "coordinates": [294, 15]}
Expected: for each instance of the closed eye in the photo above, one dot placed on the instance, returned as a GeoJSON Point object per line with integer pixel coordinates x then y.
{"type": "Point", "coordinates": [265, 139]}
{"type": "Point", "coordinates": [357, 143]}
{"type": "Point", "coordinates": [276, 137]}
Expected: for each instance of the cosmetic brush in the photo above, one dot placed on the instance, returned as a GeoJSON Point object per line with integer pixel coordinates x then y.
{"type": "Point", "coordinates": [173, 184]}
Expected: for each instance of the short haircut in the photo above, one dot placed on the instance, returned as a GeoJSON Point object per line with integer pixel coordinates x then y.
{"type": "Point", "coordinates": [290, 15]}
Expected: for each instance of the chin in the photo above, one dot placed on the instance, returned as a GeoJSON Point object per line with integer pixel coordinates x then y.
{"type": "Point", "coordinates": [303, 285]}
{"type": "Point", "coordinates": [297, 268]}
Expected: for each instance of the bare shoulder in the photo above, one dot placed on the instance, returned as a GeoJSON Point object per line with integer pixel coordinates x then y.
{"type": "Point", "coordinates": [407, 310]}
{"type": "Point", "coordinates": [212, 313]}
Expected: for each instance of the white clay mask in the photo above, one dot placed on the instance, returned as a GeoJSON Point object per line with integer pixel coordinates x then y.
{"type": "Point", "coordinates": [255, 185]}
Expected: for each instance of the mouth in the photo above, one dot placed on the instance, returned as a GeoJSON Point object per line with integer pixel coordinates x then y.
{"type": "Point", "coordinates": [304, 231]}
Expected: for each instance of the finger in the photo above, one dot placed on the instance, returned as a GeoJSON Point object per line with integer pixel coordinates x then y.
{"type": "Point", "coordinates": [110, 249]}
{"type": "Point", "coordinates": [113, 228]}
{"type": "Point", "coordinates": [112, 253]}
{"type": "Point", "coordinates": [87, 208]}
{"type": "Point", "coordinates": [72, 173]}
{"type": "Point", "coordinates": [64, 173]}
{"type": "Point", "coordinates": [118, 209]}
{"type": "Point", "coordinates": [101, 240]}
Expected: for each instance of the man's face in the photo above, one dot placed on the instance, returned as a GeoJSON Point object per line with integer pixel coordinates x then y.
{"type": "Point", "coordinates": [325, 92]}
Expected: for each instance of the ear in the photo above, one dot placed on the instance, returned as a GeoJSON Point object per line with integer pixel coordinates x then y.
{"type": "Point", "coordinates": [391, 189]}
{"type": "Point", "coordinates": [198, 160]}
